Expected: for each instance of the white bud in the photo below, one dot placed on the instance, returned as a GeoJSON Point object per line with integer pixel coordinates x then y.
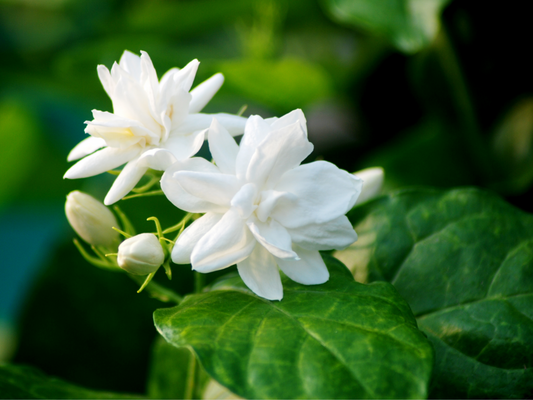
{"type": "Point", "coordinates": [372, 183]}
{"type": "Point", "coordinates": [91, 219]}
{"type": "Point", "coordinates": [141, 254]}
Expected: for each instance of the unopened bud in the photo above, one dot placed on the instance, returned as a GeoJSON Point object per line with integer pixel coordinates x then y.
{"type": "Point", "coordinates": [91, 219]}
{"type": "Point", "coordinates": [372, 183]}
{"type": "Point", "coordinates": [141, 254]}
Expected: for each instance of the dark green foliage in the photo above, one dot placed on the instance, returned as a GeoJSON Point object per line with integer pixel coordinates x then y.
{"type": "Point", "coordinates": [463, 259]}
{"type": "Point", "coordinates": [341, 339]}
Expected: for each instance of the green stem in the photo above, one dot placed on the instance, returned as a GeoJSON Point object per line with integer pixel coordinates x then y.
{"type": "Point", "coordinates": [126, 223]}
{"type": "Point", "coordinates": [199, 282]}
{"type": "Point", "coordinates": [179, 226]}
{"type": "Point", "coordinates": [146, 194]}
{"type": "Point", "coordinates": [153, 180]}
{"type": "Point", "coordinates": [97, 262]}
{"type": "Point", "coordinates": [191, 378]}
{"type": "Point", "coordinates": [464, 105]}
{"type": "Point", "coordinates": [157, 291]}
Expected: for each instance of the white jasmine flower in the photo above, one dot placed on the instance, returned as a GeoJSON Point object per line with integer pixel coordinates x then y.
{"type": "Point", "coordinates": [91, 219]}
{"type": "Point", "coordinates": [372, 182]}
{"type": "Point", "coordinates": [153, 124]}
{"type": "Point", "coordinates": [141, 254]}
{"type": "Point", "coordinates": [263, 209]}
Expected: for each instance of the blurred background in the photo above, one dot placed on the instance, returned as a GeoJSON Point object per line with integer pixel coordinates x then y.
{"type": "Point", "coordinates": [438, 92]}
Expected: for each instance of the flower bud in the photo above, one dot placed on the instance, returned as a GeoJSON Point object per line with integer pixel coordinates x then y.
{"type": "Point", "coordinates": [91, 219]}
{"type": "Point", "coordinates": [141, 254]}
{"type": "Point", "coordinates": [372, 183]}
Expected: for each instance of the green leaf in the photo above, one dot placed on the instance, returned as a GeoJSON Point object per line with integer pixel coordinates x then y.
{"type": "Point", "coordinates": [21, 382]}
{"type": "Point", "coordinates": [410, 25]}
{"type": "Point", "coordinates": [341, 339]}
{"type": "Point", "coordinates": [463, 259]}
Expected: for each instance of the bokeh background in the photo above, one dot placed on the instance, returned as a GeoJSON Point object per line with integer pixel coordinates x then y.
{"type": "Point", "coordinates": [438, 92]}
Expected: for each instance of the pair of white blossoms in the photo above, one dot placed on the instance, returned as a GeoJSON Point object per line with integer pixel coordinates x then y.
{"type": "Point", "coordinates": [263, 210]}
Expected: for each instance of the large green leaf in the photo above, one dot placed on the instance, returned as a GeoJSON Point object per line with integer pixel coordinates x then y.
{"type": "Point", "coordinates": [20, 382]}
{"type": "Point", "coordinates": [410, 25]}
{"type": "Point", "coordinates": [341, 339]}
{"type": "Point", "coordinates": [463, 259]}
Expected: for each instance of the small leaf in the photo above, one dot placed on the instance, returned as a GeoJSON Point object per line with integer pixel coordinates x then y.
{"type": "Point", "coordinates": [410, 25]}
{"type": "Point", "coordinates": [463, 259]}
{"type": "Point", "coordinates": [20, 382]}
{"type": "Point", "coordinates": [339, 339]}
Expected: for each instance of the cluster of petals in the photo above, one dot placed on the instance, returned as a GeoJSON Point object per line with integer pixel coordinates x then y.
{"type": "Point", "coordinates": [154, 123]}
{"type": "Point", "coordinates": [263, 210]}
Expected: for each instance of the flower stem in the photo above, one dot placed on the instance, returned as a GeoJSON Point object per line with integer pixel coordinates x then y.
{"type": "Point", "coordinates": [157, 291]}
{"type": "Point", "coordinates": [179, 226]}
{"type": "Point", "coordinates": [464, 105]}
{"type": "Point", "coordinates": [199, 282]}
{"type": "Point", "coordinates": [146, 194]}
{"type": "Point", "coordinates": [191, 378]}
{"type": "Point", "coordinates": [126, 223]}
{"type": "Point", "coordinates": [153, 180]}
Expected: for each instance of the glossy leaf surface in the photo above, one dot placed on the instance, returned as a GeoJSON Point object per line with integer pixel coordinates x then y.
{"type": "Point", "coordinates": [341, 339]}
{"type": "Point", "coordinates": [410, 25]}
{"type": "Point", "coordinates": [19, 382]}
{"type": "Point", "coordinates": [463, 259]}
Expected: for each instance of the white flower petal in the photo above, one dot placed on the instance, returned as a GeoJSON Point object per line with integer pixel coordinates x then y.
{"type": "Point", "coordinates": [243, 201]}
{"type": "Point", "coordinates": [227, 243]}
{"type": "Point", "coordinates": [167, 80]}
{"type": "Point", "coordinates": [131, 63]}
{"type": "Point", "coordinates": [335, 234]}
{"type": "Point", "coordinates": [128, 178]}
{"type": "Point", "coordinates": [273, 237]}
{"type": "Point", "coordinates": [255, 131]}
{"type": "Point", "coordinates": [215, 188]}
{"type": "Point", "coordinates": [324, 192]}
{"type": "Point", "coordinates": [260, 273]}
{"type": "Point", "coordinates": [185, 77]}
{"type": "Point", "coordinates": [159, 159]}
{"type": "Point", "coordinates": [86, 146]}
{"type": "Point", "coordinates": [290, 118]}
{"type": "Point", "coordinates": [107, 81]}
{"type": "Point", "coordinates": [118, 131]}
{"type": "Point", "coordinates": [179, 196]}
{"type": "Point", "coordinates": [130, 101]}
{"type": "Point", "coordinates": [101, 161]}
{"type": "Point", "coordinates": [195, 122]}
{"type": "Point", "coordinates": [204, 92]}
{"type": "Point", "coordinates": [150, 84]}
{"type": "Point", "coordinates": [223, 147]}
{"type": "Point", "coordinates": [309, 270]}
{"type": "Point", "coordinates": [282, 150]}
{"type": "Point", "coordinates": [185, 146]}
{"type": "Point", "coordinates": [181, 253]}
{"type": "Point", "coordinates": [269, 200]}
{"type": "Point", "coordinates": [372, 182]}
